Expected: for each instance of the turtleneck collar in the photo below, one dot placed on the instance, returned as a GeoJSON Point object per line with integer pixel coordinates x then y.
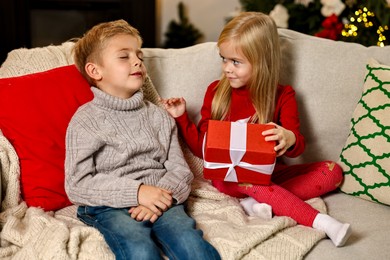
{"type": "Point", "coordinates": [104, 100]}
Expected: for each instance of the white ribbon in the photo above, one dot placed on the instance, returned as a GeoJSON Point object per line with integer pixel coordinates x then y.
{"type": "Point", "coordinates": [237, 151]}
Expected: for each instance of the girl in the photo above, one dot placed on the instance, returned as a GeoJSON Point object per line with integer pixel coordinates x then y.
{"type": "Point", "coordinates": [250, 52]}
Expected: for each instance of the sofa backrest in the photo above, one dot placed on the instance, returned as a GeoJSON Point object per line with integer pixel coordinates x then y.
{"type": "Point", "coordinates": [328, 77]}
{"type": "Point", "coordinates": [185, 72]}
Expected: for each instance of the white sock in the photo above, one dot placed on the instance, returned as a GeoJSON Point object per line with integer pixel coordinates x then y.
{"type": "Point", "coordinates": [247, 205]}
{"type": "Point", "coordinates": [253, 208]}
{"type": "Point", "coordinates": [262, 210]}
{"type": "Point", "coordinates": [338, 232]}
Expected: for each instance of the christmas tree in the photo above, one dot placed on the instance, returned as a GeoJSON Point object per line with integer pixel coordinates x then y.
{"type": "Point", "coordinates": [183, 33]}
{"type": "Point", "coordinates": [364, 22]}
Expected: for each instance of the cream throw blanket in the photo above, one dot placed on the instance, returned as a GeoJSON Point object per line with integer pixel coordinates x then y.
{"type": "Point", "coordinates": [31, 233]}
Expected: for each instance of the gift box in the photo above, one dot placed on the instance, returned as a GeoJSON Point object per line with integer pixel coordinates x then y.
{"type": "Point", "coordinates": [238, 152]}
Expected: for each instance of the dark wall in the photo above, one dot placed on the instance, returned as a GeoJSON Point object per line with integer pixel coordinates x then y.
{"type": "Point", "coordinates": [36, 23]}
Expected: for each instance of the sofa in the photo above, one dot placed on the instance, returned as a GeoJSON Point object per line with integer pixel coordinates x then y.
{"type": "Point", "coordinates": [329, 78]}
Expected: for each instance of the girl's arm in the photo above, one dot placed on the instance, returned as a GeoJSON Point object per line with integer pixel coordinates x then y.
{"type": "Point", "coordinates": [193, 135]}
{"type": "Point", "coordinates": [284, 138]}
{"type": "Point", "coordinates": [287, 116]}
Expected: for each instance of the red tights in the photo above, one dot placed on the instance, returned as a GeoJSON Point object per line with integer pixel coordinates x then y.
{"type": "Point", "coordinates": [290, 187]}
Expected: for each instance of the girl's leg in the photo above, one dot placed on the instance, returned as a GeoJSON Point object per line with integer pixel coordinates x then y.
{"type": "Point", "coordinates": [311, 180]}
{"type": "Point", "coordinates": [283, 202]}
{"type": "Point", "coordinates": [254, 208]}
{"type": "Point", "coordinates": [229, 188]}
{"type": "Point", "coordinates": [127, 238]}
{"type": "Point", "coordinates": [176, 232]}
{"type": "Point", "coordinates": [249, 204]}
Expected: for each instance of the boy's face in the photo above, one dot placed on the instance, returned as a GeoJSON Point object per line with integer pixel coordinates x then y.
{"type": "Point", "coordinates": [120, 71]}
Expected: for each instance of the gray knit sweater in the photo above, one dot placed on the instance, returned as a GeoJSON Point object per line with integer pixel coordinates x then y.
{"type": "Point", "coordinates": [115, 145]}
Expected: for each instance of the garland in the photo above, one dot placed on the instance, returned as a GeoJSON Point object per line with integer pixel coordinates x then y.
{"type": "Point", "coordinates": [364, 22]}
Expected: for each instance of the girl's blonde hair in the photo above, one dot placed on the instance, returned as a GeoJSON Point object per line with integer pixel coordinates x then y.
{"type": "Point", "coordinates": [255, 34]}
{"type": "Point", "coordinates": [89, 47]}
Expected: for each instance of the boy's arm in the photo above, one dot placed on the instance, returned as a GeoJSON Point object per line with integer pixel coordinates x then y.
{"type": "Point", "coordinates": [142, 213]}
{"type": "Point", "coordinates": [178, 177]}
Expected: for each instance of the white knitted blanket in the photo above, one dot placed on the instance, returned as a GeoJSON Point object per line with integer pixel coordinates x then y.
{"type": "Point", "coordinates": [31, 233]}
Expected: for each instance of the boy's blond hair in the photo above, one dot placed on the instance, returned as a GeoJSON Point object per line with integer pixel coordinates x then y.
{"type": "Point", "coordinates": [255, 34]}
{"type": "Point", "coordinates": [88, 48]}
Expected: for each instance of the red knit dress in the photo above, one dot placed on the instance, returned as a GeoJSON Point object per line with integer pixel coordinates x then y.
{"type": "Point", "coordinates": [291, 185]}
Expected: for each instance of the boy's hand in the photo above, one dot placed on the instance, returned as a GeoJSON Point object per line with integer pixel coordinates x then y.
{"type": "Point", "coordinates": [175, 106]}
{"type": "Point", "coordinates": [142, 213]}
{"type": "Point", "coordinates": [156, 199]}
{"type": "Point", "coordinates": [284, 138]}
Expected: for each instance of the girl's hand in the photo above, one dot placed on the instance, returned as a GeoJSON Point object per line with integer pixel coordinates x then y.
{"type": "Point", "coordinates": [175, 106]}
{"type": "Point", "coordinates": [142, 213]}
{"type": "Point", "coordinates": [284, 138]}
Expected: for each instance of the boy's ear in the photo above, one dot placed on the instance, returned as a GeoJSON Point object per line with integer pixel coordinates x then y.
{"type": "Point", "coordinates": [93, 71]}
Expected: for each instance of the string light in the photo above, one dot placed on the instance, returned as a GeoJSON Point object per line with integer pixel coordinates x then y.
{"type": "Point", "coordinates": [381, 37]}
{"type": "Point", "coordinates": [363, 17]}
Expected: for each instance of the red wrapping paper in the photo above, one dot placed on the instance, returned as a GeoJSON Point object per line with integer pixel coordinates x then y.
{"type": "Point", "coordinates": [238, 152]}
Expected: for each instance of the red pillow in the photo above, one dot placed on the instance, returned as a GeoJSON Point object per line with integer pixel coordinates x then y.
{"type": "Point", "coordinates": [35, 110]}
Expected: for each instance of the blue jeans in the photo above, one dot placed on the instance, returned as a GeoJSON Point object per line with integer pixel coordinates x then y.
{"type": "Point", "coordinates": [174, 233]}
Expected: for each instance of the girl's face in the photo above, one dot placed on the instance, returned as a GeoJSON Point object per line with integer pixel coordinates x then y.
{"type": "Point", "coordinates": [121, 71]}
{"type": "Point", "coordinates": [235, 65]}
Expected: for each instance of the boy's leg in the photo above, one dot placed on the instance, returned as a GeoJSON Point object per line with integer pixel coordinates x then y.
{"type": "Point", "coordinates": [179, 239]}
{"type": "Point", "coordinates": [127, 238]}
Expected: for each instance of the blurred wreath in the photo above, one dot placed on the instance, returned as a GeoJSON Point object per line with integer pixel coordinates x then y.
{"type": "Point", "coordinates": [364, 22]}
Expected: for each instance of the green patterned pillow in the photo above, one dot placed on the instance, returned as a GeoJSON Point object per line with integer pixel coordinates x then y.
{"type": "Point", "coordinates": [365, 158]}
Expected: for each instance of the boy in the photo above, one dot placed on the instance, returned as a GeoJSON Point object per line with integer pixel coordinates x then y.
{"type": "Point", "coordinates": [124, 166]}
